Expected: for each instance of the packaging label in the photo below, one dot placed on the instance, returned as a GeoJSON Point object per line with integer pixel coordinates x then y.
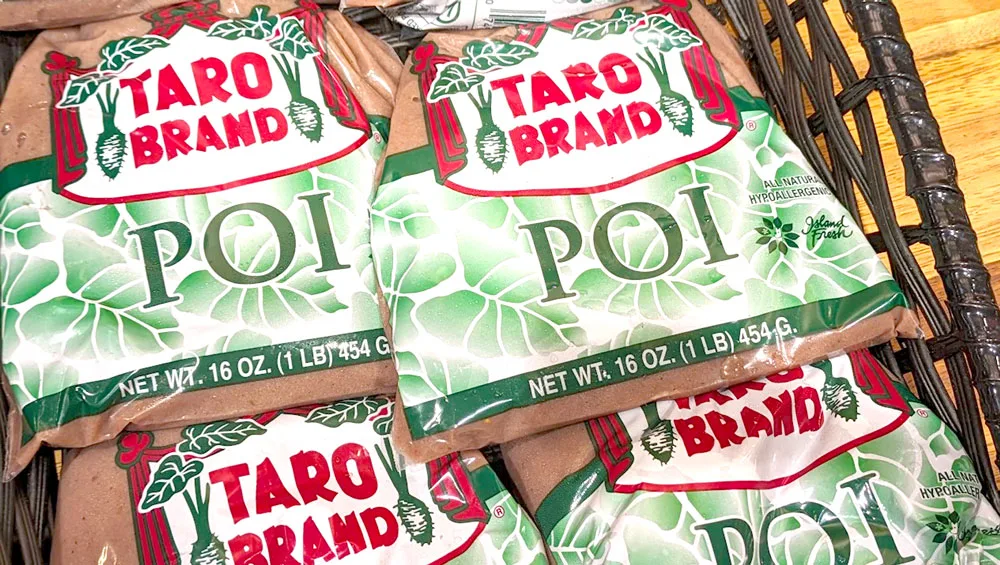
{"type": "Point", "coordinates": [584, 275]}
{"type": "Point", "coordinates": [137, 261]}
{"type": "Point", "coordinates": [830, 463]}
{"type": "Point", "coordinates": [315, 485]}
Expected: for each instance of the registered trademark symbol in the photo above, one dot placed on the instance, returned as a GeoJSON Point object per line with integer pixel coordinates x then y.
{"type": "Point", "coordinates": [751, 126]}
{"type": "Point", "coordinates": [498, 512]}
{"type": "Point", "coordinates": [921, 412]}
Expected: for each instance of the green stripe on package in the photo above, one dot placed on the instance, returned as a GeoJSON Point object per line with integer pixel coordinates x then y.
{"type": "Point", "coordinates": [596, 206]}
{"type": "Point", "coordinates": [830, 463]}
{"type": "Point", "coordinates": [173, 243]}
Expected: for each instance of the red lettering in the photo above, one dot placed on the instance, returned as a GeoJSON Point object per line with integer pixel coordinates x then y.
{"type": "Point", "coordinates": [586, 134]}
{"type": "Point", "coordinates": [262, 75]}
{"type": "Point", "coordinates": [270, 491]}
{"type": "Point", "coordinates": [527, 147]}
{"type": "Point", "coordinates": [314, 545]}
{"type": "Point", "coordinates": [230, 479]}
{"type": "Point", "coordinates": [139, 101]}
{"type": "Point", "coordinates": [580, 78]}
{"type": "Point", "coordinates": [175, 134]}
{"type": "Point", "coordinates": [209, 87]}
{"type": "Point", "coordinates": [554, 133]}
{"type": "Point", "coordinates": [544, 92]}
{"type": "Point", "coordinates": [709, 397]}
{"type": "Point", "coordinates": [509, 87]}
{"type": "Point", "coordinates": [614, 125]}
{"type": "Point", "coordinates": [808, 422]}
{"type": "Point", "coordinates": [170, 90]}
{"type": "Point", "coordinates": [695, 435]}
{"type": "Point", "coordinates": [311, 474]}
{"type": "Point", "coordinates": [786, 376]}
{"type": "Point", "coordinates": [266, 116]}
{"type": "Point", "coordinates": [145, 148]}
{"type": "Point", "coordinates": [366, 473]}
{"type": "Point", "coordinates": [247, 549]}
{"type": "Point", "coordinates": [780, 408]}
{"type": "Point", "coordinates": [684, 403]}
{"type": "Point", "coordinates": [754, 422]}
{"type": "Point", "coordinates": [725, 429]}
{"type": "Point", "coordinates": [347, 536]}
{"type": "Point", "coordinates": [280, 544]}
{"type": "Point", "coordinates": [238, 129]}
{"type": "Point", "coordinates": [649, 126]}
{"type": "Point", "coordinates": [207, 136]}
{"type": "Point", "coordinates": [609, 67]}
{"type": "Point", "coordinates": [380, 537]}
{"type": "Point", "coordinates": [741, 390]}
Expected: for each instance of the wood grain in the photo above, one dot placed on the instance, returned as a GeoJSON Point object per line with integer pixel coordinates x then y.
{"type": "Point", "coordinates": [957, 48]}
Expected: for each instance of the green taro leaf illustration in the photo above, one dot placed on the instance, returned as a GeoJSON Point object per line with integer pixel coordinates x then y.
{"type": "Point", "coordinates": [202, 439]}
{"type": "Point", "coordinates": [383, 424]}
{"type": "Point", "coordinates": [660, 32]}
{"type": "Point", "coordinates": [170, 478]}
{"type": "Point", "coordinates": [103, 318]}
{"type": "Point", "coordinates": [452, 79]}
{"type": "Point", "coordinates": [20, 222]}
{"type": "Point", "coordinates": [258, 25]}
{"type": "Point", "coordinates": [293, 40]}
{"type": "Point", "coordinates": [483, 55]}
{"type": "Point", "coordinates": [82, 87]}
{"type": "Point", "coordinates": [659, 441]}
{"type": "Point", "coordinates": [117, 54]}
{"type": "Point", "coordinates": [354, 411]}
{"type": "Point", "coordinates": [617, 24]}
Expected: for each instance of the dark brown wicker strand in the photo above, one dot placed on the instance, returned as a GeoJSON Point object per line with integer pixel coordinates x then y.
{"type": "Point", "coordinates": [966, 334]}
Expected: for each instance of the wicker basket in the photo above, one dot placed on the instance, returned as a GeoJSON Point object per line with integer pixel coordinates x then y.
{"type": "Point", "coordinates": [814, 87]}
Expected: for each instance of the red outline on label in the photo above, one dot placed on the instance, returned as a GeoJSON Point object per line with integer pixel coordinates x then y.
{"type": "Point", "coordinates": [216, 188]}
{"type": "Point", "coordinates": [601, 187]}
{"type": "Point", "coordinates": [462, 548]}
{"type": "Point", "coordinates": [766, 485]}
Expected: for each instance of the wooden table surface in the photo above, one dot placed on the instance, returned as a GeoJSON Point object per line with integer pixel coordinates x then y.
{"type": "Point", "coordinates": [956, 44]}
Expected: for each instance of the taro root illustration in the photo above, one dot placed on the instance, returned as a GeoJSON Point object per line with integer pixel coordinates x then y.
{"type": "Point", "coordinates": [291, 41]}
{"type": "Point", "coordinates": [465, 75]}
{"type": "Point", "coordinates": [115, 58]}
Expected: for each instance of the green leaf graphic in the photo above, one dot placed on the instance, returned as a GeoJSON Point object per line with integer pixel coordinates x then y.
{"type": "Point", "coordinates": [103, 319]}
{"type": "Point", "coordinates": [293, 39]}
{"type": "Point", "coordinates": [452, 79]}
{"type": "Point", "coordinates": [258, 25]}
{"type": "Point", "coordinates": [117, 54]}
{"type": "Point", "coordinates": [81, 88]}
{"type": "Point", "coordinates": [171, 477]}
{"type": "Point", "coordinates": [383, 424]}
{"type": "Point", "coordinates": [483, 55]}
{"type": "Point", "coordinates": [24, 276]}
{"type": "Point", "coordinates": [617, 24]}
{"type": "Point", "coordinates": [354, 411]}
{"type": "Point", "coordinates": [660, 32]}
{"type": "Point", "coordinates": [202, 439]}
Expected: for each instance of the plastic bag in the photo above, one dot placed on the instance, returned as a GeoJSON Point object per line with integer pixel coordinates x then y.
{"type": "Point", "coordinates": [307, 485]}
{"type": "Point", "coordinates": [578, 218]}
{"type": "Point", "coordinates": [831, 463]}
{"type": "Point", "coordinates": [185, 235]}
{"type": "Point", "coordinates": [479, 14]}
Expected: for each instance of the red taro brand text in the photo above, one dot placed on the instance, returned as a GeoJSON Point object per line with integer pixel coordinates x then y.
{"type": "Point", "coordinates": [590, 108]}
{"type": "Point", "coordinates": [252, 492]}
{"type": "Point", "coordinates": [204, 108]}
